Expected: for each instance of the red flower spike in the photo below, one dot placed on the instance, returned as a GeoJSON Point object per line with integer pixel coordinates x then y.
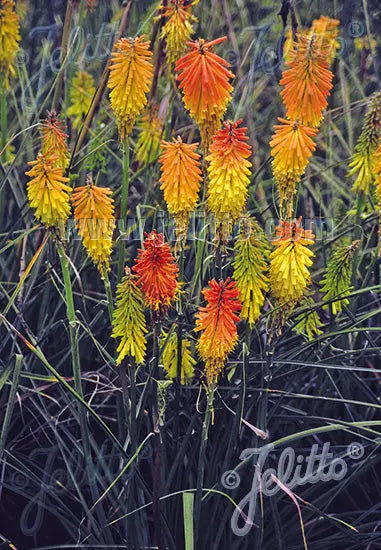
{"type": "Point", "coordinates": [157, 271]}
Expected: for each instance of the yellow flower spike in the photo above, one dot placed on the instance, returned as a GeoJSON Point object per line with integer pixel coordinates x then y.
{"type": "Point", "coordinates": [54, 139]}
{"type": "Point", "coordinates": [180, 180]}
{"type": "Point", "coordinates": [377, 172]}
{"type": "Point", "coordinates": [289, 274]}
{"type": "Point", "coordinates": [229, 171]}
{"type": "Point", "coordinates": [128, 321]}
{"type": "Point", "coordinates": [151, 130]}
{"type": "Point", "coordinates": [251, 251]}
{"type": "Point", "coordinates": [94, 216]}
{"type": "Point", "coordinates": [81, 94]}
{"type": "Point", "coordinates": [177, 29]}
{"type": "Point", "coordinates": [9, 38]}
{"type": "Point", "coordinates": [130, 77]}
{"type": "Point", "coordinates": [48, 193]}
{"type": "Point", "coordinates": [169, 358]}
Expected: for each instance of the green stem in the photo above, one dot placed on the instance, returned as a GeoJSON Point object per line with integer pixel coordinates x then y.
{"type": "Point", "coordinates": [110, 303]}
{"type": "Point", "coordinates": [202, 456]}
{"type": "Point", "coordinates": [11, 403]}
{"type": "Point", "coordinates": [4, 123]}
{"type": "Point", "coordinates": [64, 51]}
{"type": "Point", "coordinates": [74, 344]}
{"type": "Point", "coordinates": [124, 207]}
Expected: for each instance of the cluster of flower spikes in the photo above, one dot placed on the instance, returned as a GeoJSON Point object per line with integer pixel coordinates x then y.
{"type": "Point", "coordinates": [306, 85]}
{"type": "Point", "coordinates": [54, 139]}
{"type": "Point", "coordinates": [336, 282]}
{"type": "Point", "coordinates": [218, 321]}
{"type": "Point", "coordinates": [228, 171]}
{"type": "Point", "coordinates": [170, 358]}
{"type": "Point", "coordinates": [128, 322]}
{"type": "Point", "coordinates": [180, 180]}
{"type": "Point", "coordinates": [204, 79]}
{"type": "Point", "coordinates": [177, 28]}
{"type": "Point", "coordinates": [151, 131]}
{"type": "Point", "coordinates": [154, 284]}
{"type": "Point", "coordinates": [362, 160]}
{"type": "Point", "coordinates": [82, 91]}
{"type": "Point", "coordinates": [157, 272]}
{"type": "Point", "coordinates": [251, 252]}
{"type": "Point", "coordinates": [289, 273]}
{"type": "Point", "coordinates": [94, 216]}
{"type": "Point", "coordinates": [130, 78]}
{"type": "Point", "coordinates": [9, 39]}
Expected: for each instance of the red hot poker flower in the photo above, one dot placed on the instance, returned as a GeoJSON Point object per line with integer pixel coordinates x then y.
{"type": "Point", "coordinates": [218, 321]}
{"type": "Point", "coordinates": [204, 78]}
{"type": "Point", "coordinates": [157, 271]}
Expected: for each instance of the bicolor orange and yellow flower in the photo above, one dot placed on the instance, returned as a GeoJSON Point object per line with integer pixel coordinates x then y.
{"type": "Point", "coordinates": [218, 323]}
{"type": "Point", "coordinates": [204, 79]}
{"type": "Point", "coordinates": [291, 148]}
{"type": "Point", "coordinates": [130, 77]}
{"type": "Point", "coordinates": [94, 216]}
{"type": "Point", "coordinates": [228, 171]}
{"type": "Point", "coordinates": [54, 139]}
{"type": "Point", "coordinates": [48, 193]}
{"type": "Point", "coordinates": [307, 82]}
{"type": "Point", "coordinates": [290, 262]}
{"type": "Point", "coordinates": [180, 180]}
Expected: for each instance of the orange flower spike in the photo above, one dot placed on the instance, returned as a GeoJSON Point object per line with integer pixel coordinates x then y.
{"type": "Point", "coordinates": [180, 179]}
{"type": "Point", "coordinates": [157, 271]}
{"type": "Point", "coordinates": [308, 81]}
{"type": "Point", "coordinates": [218, 321]}
{"type": "Point", "coordinates": [204, 78]}
{"type": "Point", "coordinates": [54, 139]}
{"type": "Point", "coordinates": [130, 77]}
{"type": "Point", "coordinates": [229, 172]}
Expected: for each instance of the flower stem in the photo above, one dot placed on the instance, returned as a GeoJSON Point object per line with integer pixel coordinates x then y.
{"type": "Point", "coordinates": [124, 207]}
{"type": "Point", "coordinates": [202, 456]}
{"type": "Point", "coordinates": [4, 123]}
{"type": "Point", "coordinates": [110, 303]}
{"type": "Point", "coordinates": [74, 344]}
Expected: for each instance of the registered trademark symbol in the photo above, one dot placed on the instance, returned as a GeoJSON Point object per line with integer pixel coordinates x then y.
{"type": "Point", "coordinates": [355, 450]}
